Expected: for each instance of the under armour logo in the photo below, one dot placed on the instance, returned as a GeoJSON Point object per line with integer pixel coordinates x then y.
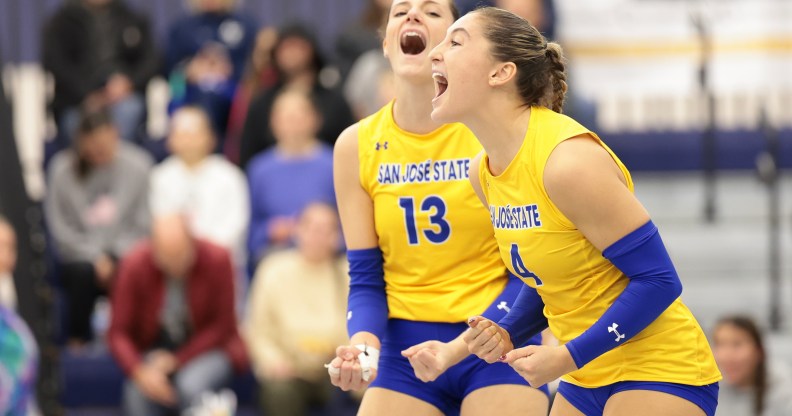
{"type": "Point", "coordinates": [502, 306]}
{"type": "Point", "coordinates": [612, 328]}
{"type": "Point", "coordinates": [349, 315]}
{"type": "Point", "coordinates": [383, 146]}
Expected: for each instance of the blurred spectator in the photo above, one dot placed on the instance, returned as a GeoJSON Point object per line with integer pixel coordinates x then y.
{"type": "Point", "coordinates": [370, 84]}
{"type": "Point", "coordinates": [368, 80]}
{"type": "Point", "coordinates": [289, 344]}
{"type": "Point", "coordinates": [286, 178]}
{"type": "Point", "coordinates": [18, 365]}
{"type": "Point", "coordinates": [174, 331]}
{"type": "Point", "coordinates": [102, 52]}
{"type": "Point", "coordinates": [541, 14]}
{"type": "Point", "coordinates": [18, 352]}
{"type": "Point", "coordinates": [260, 75]}
{"type": "Point", "coordinates": [466, 6]}
{"type": "Point", "coordinates": [752, 384]}
{"type": "Point", "coordinates": [210, 190]}
{"type": "Point", "coordinates": [206, 56]}
{"type": "Point", "coordinates": [298, 64]}
{"type": "Point", "coordinates": [8, 254]}
{"type": "Point", "coordinates": [96, 210]}
{"type": "Point", "coordinates": [362, 36]}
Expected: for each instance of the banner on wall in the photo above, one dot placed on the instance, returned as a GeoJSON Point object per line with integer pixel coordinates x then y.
{"type": "Point", "coordinates": [640, 61]}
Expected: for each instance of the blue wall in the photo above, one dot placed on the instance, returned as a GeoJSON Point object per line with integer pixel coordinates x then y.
{"type": "Point", "coordinates": [668, 151]}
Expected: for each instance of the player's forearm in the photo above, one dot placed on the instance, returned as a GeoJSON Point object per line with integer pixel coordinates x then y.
{"type": "Point", "coordinates": [367, 303]}
{"type": "Point", "coordinates": [457, 349]}
{"type": "Point", "coordinates": [526, 317]}
{"type": "Point", "coordinates": [365, 338]}
{"type": "Point", "coordinates": [654, 285]}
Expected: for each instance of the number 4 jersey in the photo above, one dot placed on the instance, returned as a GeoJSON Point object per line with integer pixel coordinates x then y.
{"type": "Point", "coordinates": [441, 257]}
{"type": "Point", "coordinates": [543, 247]}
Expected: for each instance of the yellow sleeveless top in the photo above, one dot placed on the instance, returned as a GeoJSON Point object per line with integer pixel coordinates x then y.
{"type": "Point", "coordinates": [441, 258]}
{"type": "Point", "coordinates": [543, 247]}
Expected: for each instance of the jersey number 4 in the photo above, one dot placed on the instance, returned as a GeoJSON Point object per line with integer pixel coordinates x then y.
{"type": "Point", "coordinates": [519, 266]}
{"type": "Point", "coordinates": [436, 208]}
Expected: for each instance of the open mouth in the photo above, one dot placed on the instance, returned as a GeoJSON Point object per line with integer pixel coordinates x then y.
{"type": "Point", "coordinates": [412, 43]}
{"type": "Point", "coordinates": [441, 83]}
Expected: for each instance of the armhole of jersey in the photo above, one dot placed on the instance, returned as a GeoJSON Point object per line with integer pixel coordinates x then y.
{"type": "Point", "coordinates": [616, 160]}
{"type": "Point", "coordinates": [362, 155]}
{"type": "Point", "coordinates": [619, 163]}
{"type": "Point", "coordinates": [367, 129]}
{"type": "Point", "coordinates": [482, 178]}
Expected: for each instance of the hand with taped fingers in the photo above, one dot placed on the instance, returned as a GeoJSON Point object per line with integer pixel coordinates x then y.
{"type": "Point", "coordinates": [431, 359]}
{"type": "Point", "coordinates": [540, 364]}
{"type": "Point", "coordinates": [348, 372]}
{"type": "Point", "coordinates": [486, 339]}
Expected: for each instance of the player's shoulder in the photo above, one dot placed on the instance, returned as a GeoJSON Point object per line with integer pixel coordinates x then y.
{"type": "Point", "coordinates": [364, 135]}
{"type": "Point", "coordinates": [578, 159]}
{"type": "Point", "coordinates": [347, 143]}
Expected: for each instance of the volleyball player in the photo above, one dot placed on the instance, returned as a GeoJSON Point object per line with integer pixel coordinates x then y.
{"type": "Point", "coordinates": [566, 220]}
{"type": "Point", "coordinates": [421, 252]}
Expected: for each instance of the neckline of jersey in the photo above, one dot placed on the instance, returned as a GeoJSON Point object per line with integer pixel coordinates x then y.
{"type": "Point", "coordinates": [528, 132]}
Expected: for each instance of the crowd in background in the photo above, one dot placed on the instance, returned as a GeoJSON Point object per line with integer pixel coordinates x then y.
{"type": "Point", "coordinates": [242, 197]}
{"type": "Point", "coordinates": [226, 256]}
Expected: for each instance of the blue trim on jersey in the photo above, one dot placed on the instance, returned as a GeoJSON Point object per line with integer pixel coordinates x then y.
{"type": "Point", "coordinates": [447, 392]}
{"type": "Point", "coordinates": [591, 401]}
{"type": "Point", "coordinates": [654, 285]}
{"type": "Point", "coordinates": [526, 318]}
{"type": "Point", "coordinates": [367, 302]}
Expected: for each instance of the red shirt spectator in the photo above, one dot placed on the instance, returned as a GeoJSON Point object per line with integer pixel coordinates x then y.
{"type": "Point", "coordinates": [174, 329]}
{"type": "Point", "coordinates": [138, 296]}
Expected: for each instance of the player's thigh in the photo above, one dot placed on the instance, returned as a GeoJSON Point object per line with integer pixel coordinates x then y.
{"type": "Point", "coordinates": [562, 407]}
{"type": "Point", "coordinates": [650, 403]}
{"type": "Point", "coordinates": [383, 402]}
{"type": "Point", "coordinates": [505, 400]}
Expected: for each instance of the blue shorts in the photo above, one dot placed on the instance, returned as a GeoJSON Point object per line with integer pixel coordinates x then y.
{"type": "Point", "coordinates": [447, 392]}
{"type": "Point", "coordinates": [591, 401]}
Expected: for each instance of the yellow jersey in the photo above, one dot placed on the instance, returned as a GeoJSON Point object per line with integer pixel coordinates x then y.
{"type": "Point", "coordinates": [441, 259]}
{"type": "Point", "coordinates": [577, 284]}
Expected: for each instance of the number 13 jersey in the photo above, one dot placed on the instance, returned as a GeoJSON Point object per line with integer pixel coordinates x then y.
{"type": "Point", "coordinates": [441, 257]}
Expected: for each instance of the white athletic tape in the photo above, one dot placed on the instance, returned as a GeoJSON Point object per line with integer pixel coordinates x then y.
{"type": "Point", "coordinates": [368, 358]}
{"type": "Point", "coordinates": [333, 371]}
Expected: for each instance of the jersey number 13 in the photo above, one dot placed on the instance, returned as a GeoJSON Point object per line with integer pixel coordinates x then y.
{"type": "Point", "coordinates": [436, 207]}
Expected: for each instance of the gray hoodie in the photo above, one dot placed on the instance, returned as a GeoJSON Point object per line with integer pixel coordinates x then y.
{"type": "Point", "coordinates": [104, 213]}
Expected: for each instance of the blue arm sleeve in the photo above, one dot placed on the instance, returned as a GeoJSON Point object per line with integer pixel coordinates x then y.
{"type": "Point", "coordinates": [505, 301]}
{"type": "Point", "coordinates": [367, 305]}
{"type": "Point", "coordinates": [526, 317]}
{"type": "Point", "coordinates": [653, 286]}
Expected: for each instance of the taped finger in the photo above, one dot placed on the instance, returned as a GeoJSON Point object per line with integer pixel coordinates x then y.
{"type": "Point", "coordinates": [368, 358]}
{"type": "Point", "coordinates": [333, 371]}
